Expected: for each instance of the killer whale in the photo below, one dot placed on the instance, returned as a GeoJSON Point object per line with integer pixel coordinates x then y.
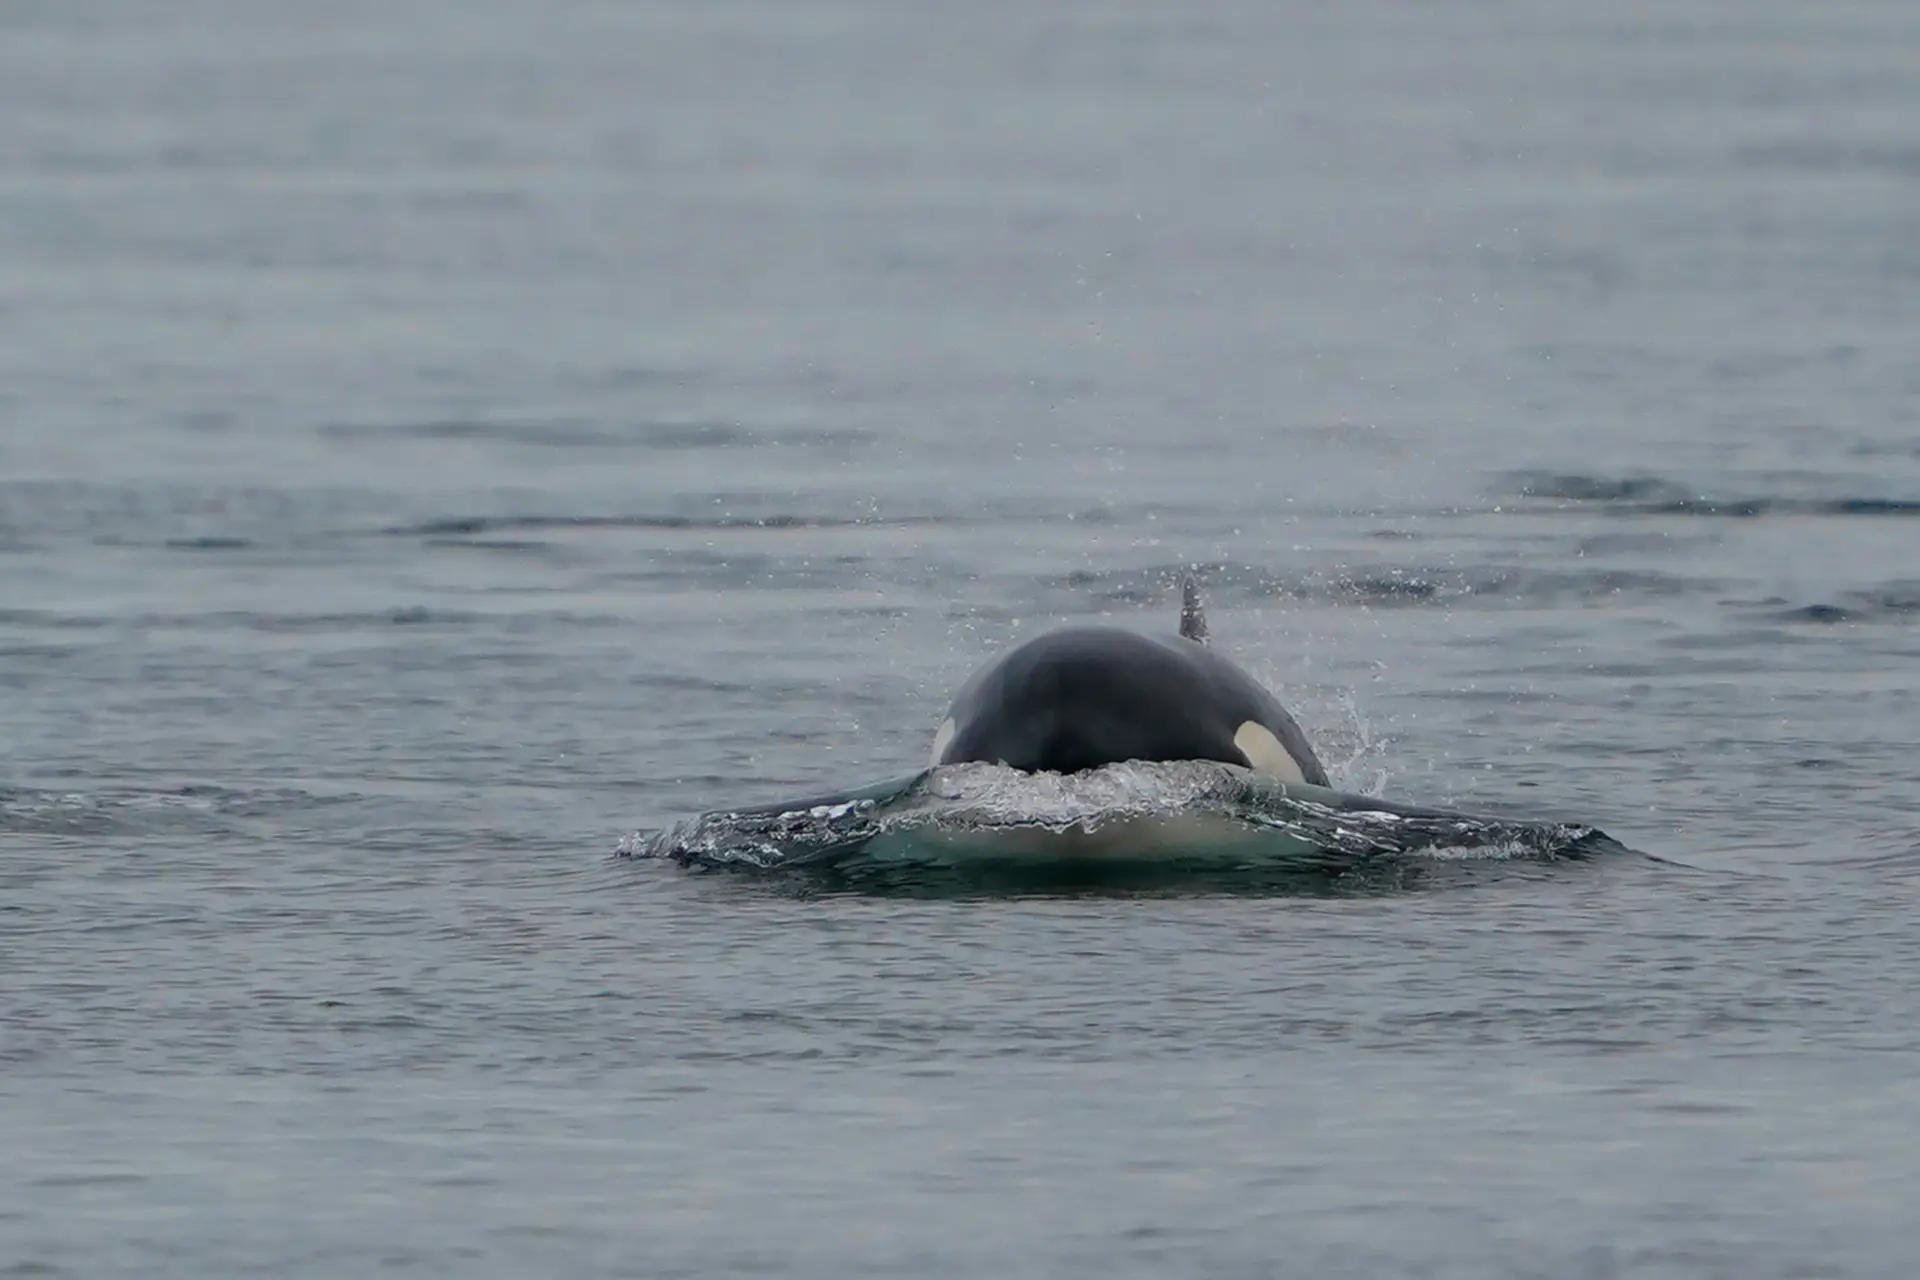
{"type": "Point", "coordinates": [1086, 696]}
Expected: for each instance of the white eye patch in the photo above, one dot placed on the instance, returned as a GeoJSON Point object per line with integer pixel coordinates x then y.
{"type": "Point", "coordinates": [944, 735]}
{"type": "Point", "coordinates": [1263, 751]}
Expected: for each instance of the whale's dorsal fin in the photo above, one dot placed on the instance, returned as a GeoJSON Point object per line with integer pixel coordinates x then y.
{"type": "Point", "coordinates": [1193, 612]}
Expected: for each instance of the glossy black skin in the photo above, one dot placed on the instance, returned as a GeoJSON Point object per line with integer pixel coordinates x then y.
{"type": "Point", "coordinates": [1083, 697]}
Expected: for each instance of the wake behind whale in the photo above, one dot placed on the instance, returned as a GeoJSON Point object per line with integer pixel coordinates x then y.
{"type": "Point", "coordinates": [1100, 755]}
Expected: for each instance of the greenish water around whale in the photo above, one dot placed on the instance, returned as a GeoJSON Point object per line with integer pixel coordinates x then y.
{"type": "Point", "coordinates": [438, 442]}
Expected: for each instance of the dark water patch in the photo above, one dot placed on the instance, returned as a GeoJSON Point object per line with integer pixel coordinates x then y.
{"type": "Point", "coordinates": [557, 433]}
{"type": "Point", "coordinates": [1154, 585]}
{"type": "Point", "coordinates": [715, 435]}
{"type": "Point", "coordinates": [468, 526]}
{"type": "Point", "coordinates": [303, 623]}
{"type": "Point", "coordinates": [1900, 863]}
{"type": "Point", "coordinates": [34, 653]}
{"type": "Point", "coordinates": [527, 547]}
{"type": "Point", "coordinates": [182, 516]}
{"type": "Point", "coordinates": [1640, 495]}
{"type": "Point", "coordinates": [1895, 602]}
{"type": "Point", "coordinates": [1868, 507]}
{"type": "Point", "coordinates": [1388, 586]}
{"type": "Point", "coordinates": [211, 542]}
{"type": "Point", "coordinates": [249, 620]}
{"type": "Point", "coordinates": [1888, 448]}
{"type": "Point", "coordinates": [1901, 600]}
{"type": "Point", "coordinates": [1826, 613]}
{"type": "Point", "coordinates": [580, 433]}
{"type": "Point", "coordinates": [698, 435]}
{"type": "Point", "coordinates": [89, 1181]}
{"type": "Point", "coordinates": [1574, 487]}
{"type": "Point", "coordinates": [42, 619]}
{"type": "Point", "coordinates": [1750, 508]}
{"type": "Point", "coordinates": [1829, 156]}
{"type": "Point", "coordinates": [734, 513]}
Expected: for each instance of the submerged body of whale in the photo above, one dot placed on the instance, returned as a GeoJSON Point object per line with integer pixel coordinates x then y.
{"type": "Point", "coordinates": [1084, 697]}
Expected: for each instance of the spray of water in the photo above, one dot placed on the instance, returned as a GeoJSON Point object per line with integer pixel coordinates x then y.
{"type": "Point", "coordinates": [1175, 814]}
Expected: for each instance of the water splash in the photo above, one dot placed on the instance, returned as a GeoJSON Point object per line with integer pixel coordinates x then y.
{"type": "Point", "coordinates": [1195, 821]}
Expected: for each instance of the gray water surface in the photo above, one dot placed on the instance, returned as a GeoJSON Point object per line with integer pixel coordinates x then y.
{"type": "Point", "coordinates": [439, 440]}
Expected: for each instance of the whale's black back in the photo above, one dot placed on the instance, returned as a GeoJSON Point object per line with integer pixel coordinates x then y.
{"type": "Point", "coordinates": [1084, 697]}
